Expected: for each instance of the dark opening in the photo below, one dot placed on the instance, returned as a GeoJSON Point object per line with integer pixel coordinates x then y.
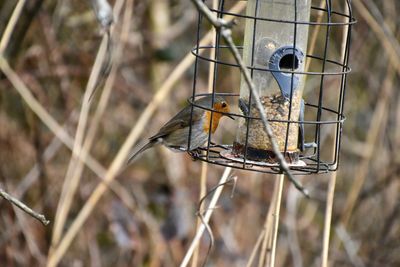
{"type": "Point", "coordinates": [287, 62]}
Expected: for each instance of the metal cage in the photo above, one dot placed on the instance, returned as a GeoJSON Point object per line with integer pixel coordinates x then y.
{"type": "Point", "coordinates": [320, 117]}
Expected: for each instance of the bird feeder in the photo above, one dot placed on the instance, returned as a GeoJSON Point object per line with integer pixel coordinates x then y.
{"type": "Point", "coordinates": [270, 44]}
{"type": "Point", "coordinates": [275, 49]}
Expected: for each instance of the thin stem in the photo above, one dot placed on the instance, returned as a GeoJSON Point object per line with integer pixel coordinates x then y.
{"type": "Point", "coordinates": [203, 175]}
{"type": "Point", "coordinates": [11, 25]}
{"type": "Point", "coordinates": [277, 208]}
{"type": "Point", "coordinates": [59, 131]}
{"type": "Point", "coordinates": [206, 218]}
{"type": "Point", "coordinates": [313, 39]}
{"type": "Point", "coordinates": [72, 176]}
{"type": "Point", "coordinates": [41, 218]}
{"type": "Point", "coordinates": [255, 248]}
{"type": "Point", "coordinates": [203, 191]}
{"type": "Point", "coordinates": [328, 218]}
{"type": "Point", "coordinates": [387, 39]}
{"type": "Point", "coordinates": [120, 158]}
{"type": "Point", "coordinates": [332, 181]}
{"type": "Point", "coordinates": [75, 167]}
{"type": "Point", "coordinates": [267, 232]}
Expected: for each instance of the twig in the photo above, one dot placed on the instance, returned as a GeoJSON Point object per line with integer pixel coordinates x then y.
{"type": "Point", "coordinates": [224, 28]}
{"type": "Point", "coordinates": [59, 131]}
{"type": "Point", "coordinates": [206, 218]}
{"type": "Point", "coordinates": [120, 158]}
{"type": "Point", "coordinates": [123, 152]}
{"type": "Point", "coordinates": [204, 165]}
{"type": "Point", "coordinates": [217, 23]}
{"type": "Point", "coordinates": [67, 189]}
{"type": "Point", "coordinates": [41, 218]}
{"type": "Point", "coordinates": [230, 180]}
{"type": "Point", "coordinates": [72, 176]}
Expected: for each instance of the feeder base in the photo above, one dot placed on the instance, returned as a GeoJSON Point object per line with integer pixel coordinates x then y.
{"type": "Point", "coordinates": [225, 155]}
{"type": "Point", "coordinates": [268, 156]}
{"type": "Point", "coordinates": [232, 156]}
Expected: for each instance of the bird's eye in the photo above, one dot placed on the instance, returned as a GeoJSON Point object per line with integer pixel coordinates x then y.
{"type": "Point", "coordinates": [223, 104]}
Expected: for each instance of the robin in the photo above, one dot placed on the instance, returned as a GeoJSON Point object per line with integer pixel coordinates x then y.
{"type": "Point", "coordinates": [175, 133]}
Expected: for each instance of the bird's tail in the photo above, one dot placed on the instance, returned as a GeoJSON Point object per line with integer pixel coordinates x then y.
{"type": "Point", "coordinates": [138, 151]}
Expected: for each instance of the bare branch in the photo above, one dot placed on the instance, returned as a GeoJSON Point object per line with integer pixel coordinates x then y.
{"type": "Point", "coordinates": [24, 207]}
{"type": "Point", "coordinates": [226, 33]}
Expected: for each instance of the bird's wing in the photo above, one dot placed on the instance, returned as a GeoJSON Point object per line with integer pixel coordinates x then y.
{"type": "Point", "coordinates": [179, 121]}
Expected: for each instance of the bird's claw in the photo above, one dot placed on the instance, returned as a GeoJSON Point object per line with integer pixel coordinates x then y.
{"type": "Point", "coordinates": [243, 107]}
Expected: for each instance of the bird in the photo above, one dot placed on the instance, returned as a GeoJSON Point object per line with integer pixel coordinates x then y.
{"type": "Point", "coordinates": [175, 133]}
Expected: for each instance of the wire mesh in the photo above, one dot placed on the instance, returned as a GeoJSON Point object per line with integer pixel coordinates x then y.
{"type": "Point", "coordinates": [323, 101]}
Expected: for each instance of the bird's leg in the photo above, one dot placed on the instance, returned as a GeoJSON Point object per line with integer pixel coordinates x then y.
{"type": "Point", "coordinates": [195, 153]}
{"type": "Point", "coordinates": [243, 107]}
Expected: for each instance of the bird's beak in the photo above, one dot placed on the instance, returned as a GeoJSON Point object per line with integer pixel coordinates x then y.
{"type": "Point", "coordinates": [230, 116]}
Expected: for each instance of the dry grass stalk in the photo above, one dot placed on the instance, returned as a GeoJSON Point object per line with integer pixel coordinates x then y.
{"type": "Point", "coordinates": [332, 179]}
{"type": "Point", "coordinates": [5, 39]}
{"type": "Point", "coordinates": [202, 193]}
{"type": "Point", "coordinates": [276, 212]}
{"type": "Point", "coordinates": [328, 219]}
{"type": "Point", "coordinates": [267, 232]}
{"type": "Point", "coordinates": [255, 248]}
{"type": "Point", "coordinates": [390, 43]}
{"type": "Point", "coordinates": [72, 176]}
{"type": "Point", "coordinates": [204, 165]}
{"type": "Point", "coordinates": [58, 130]}
{"type": "Point", "coordinates": [120, 158]}
{"type": "Point", "coordinates": [203, 176]}
{"type": "Point", "coordinates": [206, 217]}
{"type": "Point", "coordinates": [378, 119]}
{"type": "Point", "coordinates": [314, 35]}
{"type": "Point", "coordinates": [380, 114]}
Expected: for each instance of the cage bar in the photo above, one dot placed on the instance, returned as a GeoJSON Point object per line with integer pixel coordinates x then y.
{"type": "Point", "coordinates": [275, 51]}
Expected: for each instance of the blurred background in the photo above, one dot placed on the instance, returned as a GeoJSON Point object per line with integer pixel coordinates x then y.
{"type": "Point", "coordinates": [149, 217]}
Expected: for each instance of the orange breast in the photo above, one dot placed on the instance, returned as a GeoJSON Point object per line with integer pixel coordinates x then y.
{"type": "Point", "coordinates": [215, 121]}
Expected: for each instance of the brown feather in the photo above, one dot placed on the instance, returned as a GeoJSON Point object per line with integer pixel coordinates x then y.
{"type": "Point", "coordinates": [182, 119]}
